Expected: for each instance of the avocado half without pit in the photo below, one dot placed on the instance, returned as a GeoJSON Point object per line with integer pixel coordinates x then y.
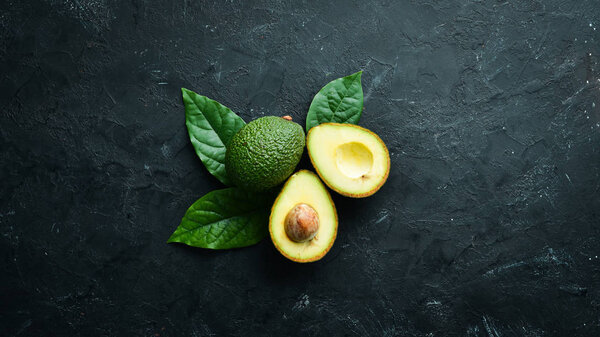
{"type": "Point", "coordinates": [303, 223]}
{"type": "Point", "coordinates": [351, 160]}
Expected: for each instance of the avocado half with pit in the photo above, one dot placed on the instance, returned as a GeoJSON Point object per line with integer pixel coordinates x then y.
{"type": "Point", "coordinates": [351, 160]}
{"type": "Point", "coordinates": [303, 223]}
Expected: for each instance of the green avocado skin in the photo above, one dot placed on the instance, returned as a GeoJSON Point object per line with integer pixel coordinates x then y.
{"type": "Point", "coordinates": [264, 153]}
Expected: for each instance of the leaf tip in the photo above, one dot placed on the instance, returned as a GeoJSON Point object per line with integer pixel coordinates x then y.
{"type": "Point", "coordinates": [185, 92]}
{"type": "Point", "coordinates": [171, 238]}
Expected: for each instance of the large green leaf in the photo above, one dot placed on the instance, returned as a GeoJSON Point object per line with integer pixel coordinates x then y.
{"type": "Point", "coordinates": [340, 101]}
{"type": "Point", "coordinates": [227, 218]}
{"type": "Point", "coordinates": [210, 126]}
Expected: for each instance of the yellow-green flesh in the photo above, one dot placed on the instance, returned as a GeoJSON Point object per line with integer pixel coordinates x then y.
{"type": "Point", "coordinates": [349, 159]}
{"type": "Point", "coordinates": [304, 187]}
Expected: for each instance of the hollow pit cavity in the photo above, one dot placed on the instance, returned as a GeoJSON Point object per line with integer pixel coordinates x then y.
{"type": "Point", "coordinates": [354, 160]}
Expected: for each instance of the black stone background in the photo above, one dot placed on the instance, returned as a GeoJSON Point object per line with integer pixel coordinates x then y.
{"type": "Point", "coordinates": [487, 226]}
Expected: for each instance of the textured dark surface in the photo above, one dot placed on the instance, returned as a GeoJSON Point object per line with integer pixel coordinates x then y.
{"type": "Point", "coordinates": [487, 226]}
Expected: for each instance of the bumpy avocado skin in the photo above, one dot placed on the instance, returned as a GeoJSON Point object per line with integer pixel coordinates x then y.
{"type": "Point", "coordinates": [264, 153]}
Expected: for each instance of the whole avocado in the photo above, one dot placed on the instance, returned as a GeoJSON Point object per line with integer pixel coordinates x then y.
{"type": "Point", "coordinates": [264, 153]}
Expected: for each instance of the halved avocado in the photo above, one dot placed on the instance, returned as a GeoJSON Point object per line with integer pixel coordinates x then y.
{"type": "Point", "coordinates": [351, 160]}
{"type": "Point", "coordinates": [303, 223]}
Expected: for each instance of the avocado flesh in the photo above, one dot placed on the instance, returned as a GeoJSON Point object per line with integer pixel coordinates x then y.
{"type": "Point", "coordinates": [304, 187]}
{"type": "Point", "coordinates": [264, 153]}
{"type": "Point", "coordinates": [351, 160]}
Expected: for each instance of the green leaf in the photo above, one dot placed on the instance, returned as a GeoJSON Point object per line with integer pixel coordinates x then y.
{"type": "Point", "coordinates": [210, 126]}
{"type": "Point", "coordinates": [223, 219]}
{"type": "Point", "coordinates": [340, 101]}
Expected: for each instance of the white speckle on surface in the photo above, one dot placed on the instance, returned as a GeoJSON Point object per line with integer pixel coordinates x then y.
{"type": "Point", "coordinates": [302, 303]}
{"type": "Point", "coordinates": [568, 178]}
{"type": "Point", "coordinates": [382, 217]}
{"type": "Point", "coordinates": [146, 167]}
{"type": "Point", "coordinates": [163, 83]}
{"type": "Point", "coordinates": [165, 150]}
{"type": "Point", "coordinates": [434, 302]}
{"type": "Point", "coordinates": [7, 213]}
{"type": "Point", "coordinates": [490, 328]}
{"type": "Point", "coordinates": [505, 267]}
{"type": "Point", "coordinates": [92, 14]}
{"type": "Point", "coordinates": [550, 257]}
{"type": "Point", "coordinates": [473, 330]}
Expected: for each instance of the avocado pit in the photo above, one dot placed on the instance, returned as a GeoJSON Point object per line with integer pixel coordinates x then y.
{"type": "Point", "coordinates": [301, 223]}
